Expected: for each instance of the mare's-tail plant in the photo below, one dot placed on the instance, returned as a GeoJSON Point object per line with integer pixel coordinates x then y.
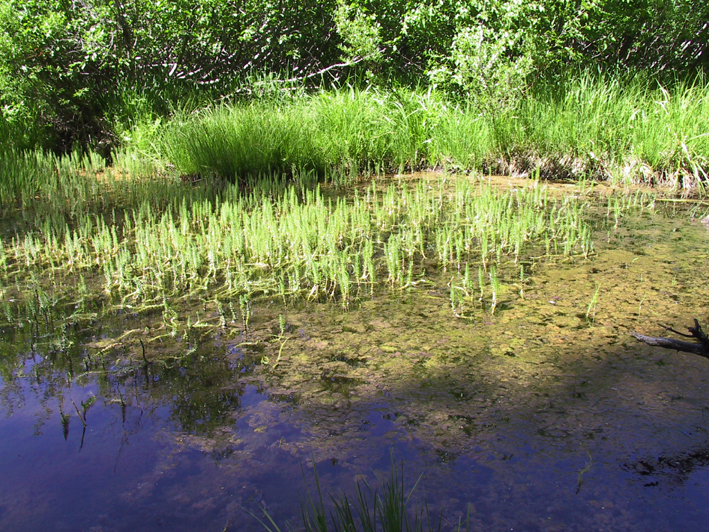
{"type": "Point", "coordinates": [591, 310]}
{"type": "Point", "coordinates": [495, 287]}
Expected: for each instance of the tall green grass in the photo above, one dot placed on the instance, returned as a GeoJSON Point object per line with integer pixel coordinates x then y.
{"type": "Point", "coordinates": [591, 126]}
{"type": "Point", "coordinates": [357, 130]}
{"type": "Point", "coordinates": [603, 127]}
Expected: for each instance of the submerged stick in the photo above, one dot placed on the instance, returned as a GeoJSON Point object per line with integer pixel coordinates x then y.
{"type": "Point", "coordinates": [82, 418]}
{"type": "Point", "coordinates": [700, 348]}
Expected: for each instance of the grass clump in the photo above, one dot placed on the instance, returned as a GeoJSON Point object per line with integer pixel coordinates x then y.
{"type": "Point", "coordinates": [344, 131]}
{"type": "Point", "coordinates": [229, 141]}
{"type": "Point", "coordinates": [385, 510]}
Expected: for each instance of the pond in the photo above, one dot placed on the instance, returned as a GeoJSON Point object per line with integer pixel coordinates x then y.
{"type": "Point", "coordinates": [545, 414]}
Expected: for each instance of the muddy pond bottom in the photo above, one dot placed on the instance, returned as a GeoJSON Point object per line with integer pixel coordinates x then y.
{"type": "Point", "coordinates": [544, 416]}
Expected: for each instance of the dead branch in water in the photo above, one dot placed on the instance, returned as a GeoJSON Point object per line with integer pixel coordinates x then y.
{"type": "Point", "coordinates": [700, 348]}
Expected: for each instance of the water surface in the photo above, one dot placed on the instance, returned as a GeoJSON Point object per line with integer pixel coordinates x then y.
{"type": "Point", "coordinates": [546, 415]}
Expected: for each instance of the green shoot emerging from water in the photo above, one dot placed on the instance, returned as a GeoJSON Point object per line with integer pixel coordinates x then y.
{"type": "Point", "coordinates": [384, 510]}
{"type": "Point", "coordinates": [591, 310]}
{"type": "Point", "coordinates": [495, 287]}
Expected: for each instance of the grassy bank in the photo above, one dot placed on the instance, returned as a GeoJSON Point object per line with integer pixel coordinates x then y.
{"type": "Point", "coordinates": [590, 127]}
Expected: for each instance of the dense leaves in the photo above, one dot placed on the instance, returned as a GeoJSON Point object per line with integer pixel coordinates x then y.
{"type": "Point", "coordinates": [71, 69]}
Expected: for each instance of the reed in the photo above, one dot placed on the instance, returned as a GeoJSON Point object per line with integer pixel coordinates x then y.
{"type": "Point", "coordinates": [495, 288]}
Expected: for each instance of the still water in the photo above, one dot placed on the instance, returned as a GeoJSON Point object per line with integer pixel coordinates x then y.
{"type": "Point", "coordinates": [544, 416]}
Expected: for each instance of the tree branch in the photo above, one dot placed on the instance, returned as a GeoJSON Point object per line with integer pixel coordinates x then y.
{"type": "Point", "coordinates": [700, 348]}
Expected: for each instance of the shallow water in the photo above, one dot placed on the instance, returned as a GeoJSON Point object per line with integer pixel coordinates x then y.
{"type": "Point", "coordinates": [546, 415]}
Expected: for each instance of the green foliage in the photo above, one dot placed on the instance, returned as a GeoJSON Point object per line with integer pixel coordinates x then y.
{"type": "Point", "coordinates": [483, 67]}
{"type": "Point", "coordinates": [55, 66]}
{"type": "Point", "coordinates": [71, 72]}
{"type": "Point", "coordinates": [360, 33]}
{"type": "Point", "coordinates": [66, 65]}
{"type": "Point", "coordinates": [658, 35]}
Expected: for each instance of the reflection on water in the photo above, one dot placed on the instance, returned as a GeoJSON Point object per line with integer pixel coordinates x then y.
{"type": "Point", "coordinates": [543, 416]}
